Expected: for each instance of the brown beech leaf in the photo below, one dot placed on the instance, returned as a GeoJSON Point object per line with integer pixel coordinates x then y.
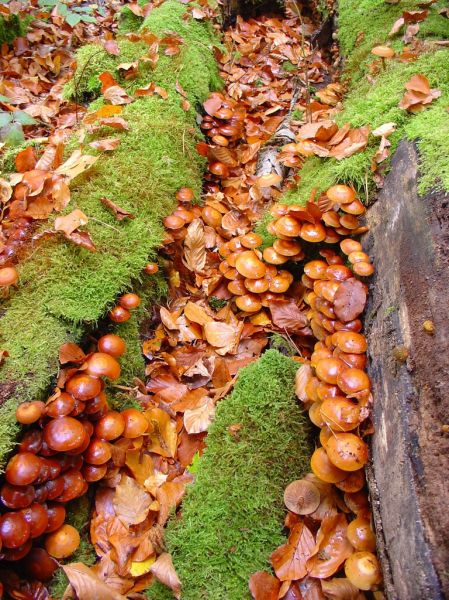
{"type": "Point", "coordinates": [350, 299]}
{"type": "Point", "coordinates": [106, 144]}
{"type": "Point", "coordinates": [164, 571]}
{"type": "Point", "coordinates": [356, 140]}
{"type": "Point", "coordinates": [287, 315]}
{"type": "Point", "coordinates": [196, 313]}
{"type": "Point", "coordinates": [221, 335]}
{"type": "Point", "coordinates": [303, 375]}
{"type": "Point", "coordinates": [170, 494]}
{"type": "Point", "coordinates": [5, 191]}
{"type": "Point", "coordinates": [131, 501]}
{"type": "Point", "coordinates": [115, 122]}
{"type": "Point", "coordinates": [70, 352]}
{"type": "Point", "coordinates": [163, 438]}
{"type": "Point", "coordinates": [120, 213]}
{"type": "Point", "coordinates": [212, 104]}
{"type": "Point", "coordinates": [341, 588]}
{"type": "Point", "coordinates": [194, 255]}
{"type": "Point", "coordinates": [111, 47]}
{"type": "Point", "coordinates": [289, 560]}
{"type": "Point", "coordinates": [70, 222]}
{"type": "Point", "coordinates": [105, 112]}
{"type": "Point", "coordinates": [26, 160]}
{"type": "Point", "coordinates": [198, 419]}
{"type": "Point", "coordinates": [87, 585]}
{"type": "Point", "coordinates": [77, 163]}
{"type": "Point", "coordinates": [264, 586]}
{"type": "Point", "coordinates": [116, 95]}
{"type": "Point", "coordinates": [397, 25]}
{"type": "Point", "coordinates": [321, 131]}
{"type": "Point", "coordinates": [415, 16]}
{"type": "Point", "coordinates": [332, 547]}
{"type": "Point", "coordinates": [140, 464]}
{"type": "Point", "coordinates": [83, 239]}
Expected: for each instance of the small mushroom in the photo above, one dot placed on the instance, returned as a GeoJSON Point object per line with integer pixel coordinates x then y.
{"type": "Point", "coordinates": [383, 52]}
{"type": "Point", "coordinates": [302, 497]}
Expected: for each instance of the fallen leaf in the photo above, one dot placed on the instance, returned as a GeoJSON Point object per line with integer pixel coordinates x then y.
{"type": "Point", "coordinates": [163, 439]}
{"type": "Point", "coordinates": [87, 585]}
{"type": "Point", "coordinates": [111, 47]}
{"type": "Point", "coordinates": [302, 377]}
{"type": "Point", "coordinates": [350, 299]}
{"type": "Point", "coordinates": [287, 315]}
{"type": "Point", "coordinates": [76, 164]}
{"type": "Point", "coordinates": [140, 568]}
{"type": "Point", "coordinates": [70, 222]}
{"type": "Point", "coordinates": [341, 588]}
{"type": "Point", "coordinates": [116, 95]}
{"type": "Point", "coordinates": [384, 130]}
{"type": "Point", "coordinates": [198, 419]}
{"type": "Point", "coordinates": [332, 547]}
{"type": "Point", "coordinates": [131, 501]}
{"type": "Point", "coordinates": [115, 122]}
{"type": "Point", "coordinates": [164, 572]}
{"type": "Point", "coordinates": [83, 239]}
{"type": "Point", "coordinates": [264, 586]}
{"type": "Point", "coordinates": [119, 213]}
{"type": "Point", "coordinates": [5, 191]}
{"type": "Point", "coordinates": [26, 160]}
{"type": "Point", "coordinates": [196, 313]}
{"type": "Point", "coordinates": [356, 140]}
{"type": "Point", "coordinates": [221, 335]}
{"type": "Point", "coordinates": [271, 179]}
{"type": "Point", "coordinates": [397, 26]}
{"type": "Point", "coordinates": [70, 352]}
{"type": "Point", "coordinates": [212, 104]}
{"type": "Point", "coordinates": [321, 131]}
{"type": "Point", "coordinates": [414, 16]}
{"type": "Point", "coordinates": [194, 255]}
{"type": "Point", "coordinates": [169, 496]}
{"type": "Point", "coordinates": [106, 144]}
{"type": "Point", "coordinates": [289, 560]}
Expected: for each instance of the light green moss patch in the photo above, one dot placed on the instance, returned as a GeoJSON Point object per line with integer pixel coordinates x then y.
{"type": "Point", "coordinates": [232, 515]}
{"type": "Point", "coordinates": [64, 287]}
{"type": "Point", "coordinates": [374, 101]}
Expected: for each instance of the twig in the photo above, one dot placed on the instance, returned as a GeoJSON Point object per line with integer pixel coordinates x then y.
{"type": "Point", "coordinates": [105, 224]}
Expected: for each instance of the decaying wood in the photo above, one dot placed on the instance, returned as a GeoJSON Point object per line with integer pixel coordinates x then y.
{"type": "Point", "coordinates": [409, 473]}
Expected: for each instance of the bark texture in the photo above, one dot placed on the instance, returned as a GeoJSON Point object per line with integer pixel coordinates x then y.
{"type": "Point", "coordinates": [409, 472]}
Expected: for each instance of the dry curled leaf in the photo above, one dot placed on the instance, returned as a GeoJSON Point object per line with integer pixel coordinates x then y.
{"type": "Point", "coordinates": [119, 213]}
{"type": "Point", "coordinates": [194, 255]}
{"type": "Point", "coordinates": [87, 585]}
{"type": "Point", "coordinates": [198, 419]}
{"type": "Point", "coordinates": [302, 377]}
{"type": "Point", "coordinates": [264, 586]}
{"type": "Point", "coordinates": [70, 222]}
{"type": "Point", "coordinates": [70, 352]}
{"type": "Point", "coordinates": [131, 501]}
{"type": "Point", "coordinates": [164, 571]}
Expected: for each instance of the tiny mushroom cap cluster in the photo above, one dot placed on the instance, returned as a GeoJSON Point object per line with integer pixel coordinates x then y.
{"type": "Point", "coordinates": [122, 311]}
{"type": "Point", "coordinates": [66, 445]}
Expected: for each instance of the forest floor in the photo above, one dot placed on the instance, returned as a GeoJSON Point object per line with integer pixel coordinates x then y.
{"type": "Point", "coordinates": [197, 195]}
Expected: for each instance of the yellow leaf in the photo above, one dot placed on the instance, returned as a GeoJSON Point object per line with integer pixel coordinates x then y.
{"type": "Point", "coordinates": [196, 313]}
{"type": "Point", "coordinates": [140, 568]}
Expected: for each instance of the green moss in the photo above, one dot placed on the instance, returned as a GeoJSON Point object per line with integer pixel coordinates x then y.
{"type": "Point", "coordinates": [232, 515]}
{"type": "Point", "coordinates": [64, 287]}
{"type": "Point", "coordinates": [11, 27]}
{"type": "Point", "coordinates": [194, 67]}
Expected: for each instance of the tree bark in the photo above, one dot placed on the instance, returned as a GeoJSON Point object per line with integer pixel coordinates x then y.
{"type": "Point", "coordinates": [409, 471]}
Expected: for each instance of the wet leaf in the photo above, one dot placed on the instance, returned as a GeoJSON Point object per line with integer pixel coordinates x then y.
{"type": "Point", "coordinates": [332, 547]}
{"type": "Point", "coordinates": [26, 160]}
{"type": "Point", "coordinates": [196, 313]}
{"type": "Point", "coordinates": [264, 586]}
{"type": "Point", "coordinates": [163, 439]}
{"type": "Point", "coordinates": [341, 588]}
{"type": "Point", "coordinates": [302, 377]}
{"type": "Point", "coordinates": [194, 256]}
{"type": "Point", "coordinates": [350, 300]}
{"type": "Point", "coordinates": [287, 315]}
{"type": "Point", "coordinates": [106, 144]}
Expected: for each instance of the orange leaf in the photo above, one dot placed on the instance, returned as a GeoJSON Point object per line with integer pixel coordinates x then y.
{"type": "Point", "coordinates": [140, 464]}
{"type": "Point", "coordinates": [264, 586]}
{"type": "Point", "coordinates": [87, 585]}
{"type": "Point", "coordinates": [289, 560]}
{"type": "Point", "coordinates": [302, 377]}
{"type": "Point", "coordinates": [170, 494]}
{"type": "Point", "coordinates": [119, 213]}
{"type": "Point", "coordinates": [164, 571]}
{"type": "Point", "coordinates": [106, 144]}
{"type": "Point", "coordinates": [163, 438]}
{"type": "Point", "coordinates": [332, 547]}
{"type": "Point", "coordinates": [196, 313]}
{"type": "Point", "coordinates": [70, 352]}
{"type": "Point", "coordinates": [198, 419]}
{"type": "Point", "coordinates": [70, 222]}
{"type": "Point", "coordinates": [131, 501]}
{"type": "Point", "coordinates": [26, 160]}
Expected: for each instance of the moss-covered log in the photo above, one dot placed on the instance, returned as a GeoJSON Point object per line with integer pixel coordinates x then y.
{"type": "Point", "coordinates": [232, 515]}
{"type": "Point", "coordinates": [64, 287]}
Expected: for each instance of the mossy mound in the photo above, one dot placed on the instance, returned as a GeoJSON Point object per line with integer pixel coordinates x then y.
{"type": "Point", "coordinates": [11, 27]}
{"type": "Point", "coordinates": [232, 515]}
{"type": "Point", "coordinates": [374, 100]}
{"type": "Point", "coordinates": [62, 286]}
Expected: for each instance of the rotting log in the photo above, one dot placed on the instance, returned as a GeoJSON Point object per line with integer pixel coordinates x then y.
{"type": "Point", "coordinates": [408, 475]}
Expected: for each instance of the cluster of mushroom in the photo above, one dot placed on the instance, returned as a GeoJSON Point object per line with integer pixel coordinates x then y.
{"type": "Point", "coordinates": [121, 312]}
{"type": "Point", "coordinates": [66, 446]}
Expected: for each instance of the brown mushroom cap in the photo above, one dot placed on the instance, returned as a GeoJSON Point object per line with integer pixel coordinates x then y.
{"type": "Point", "coordinates": [383, 51]}
{"type": "Point", "coordinates": [302, 497]}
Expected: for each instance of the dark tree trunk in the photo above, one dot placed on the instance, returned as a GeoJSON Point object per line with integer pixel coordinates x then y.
{"type": "Point", "coordinates": [409, 472]}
